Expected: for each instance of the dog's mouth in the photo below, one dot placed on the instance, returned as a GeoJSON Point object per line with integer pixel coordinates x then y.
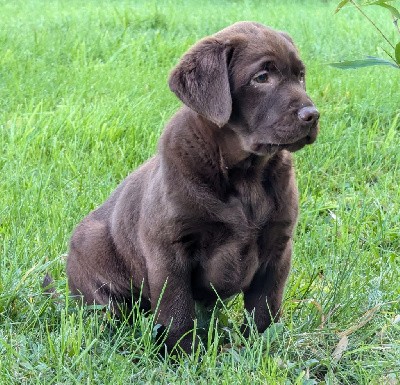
{"type": "Point", "coordinates": [261, 148]}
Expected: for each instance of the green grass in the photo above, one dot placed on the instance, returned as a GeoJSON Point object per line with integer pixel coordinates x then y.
{"type": "Point", "coordinates": [83, 99]}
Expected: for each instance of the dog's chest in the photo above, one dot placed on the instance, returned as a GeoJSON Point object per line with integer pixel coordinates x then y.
{"type": "Point", "coordinates": [230, 253]}
{"type": "Point", "coordinates": [252, 200]}
{"type": "Point", "coordinates": [246, 190]}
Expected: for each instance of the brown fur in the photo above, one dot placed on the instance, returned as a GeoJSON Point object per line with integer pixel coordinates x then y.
{"type": "Point", "coordinates": [214, 210]}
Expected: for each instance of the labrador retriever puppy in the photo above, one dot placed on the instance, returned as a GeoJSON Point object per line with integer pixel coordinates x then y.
{"type": "Point", "coordinates": [212, 214]}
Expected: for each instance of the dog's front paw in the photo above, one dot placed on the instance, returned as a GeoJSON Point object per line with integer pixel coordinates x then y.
{"type": "Point", "coordinates": [172, 343]}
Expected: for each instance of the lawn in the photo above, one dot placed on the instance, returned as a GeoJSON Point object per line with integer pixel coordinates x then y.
{"type": "Point", "coordinates": [83, 100]}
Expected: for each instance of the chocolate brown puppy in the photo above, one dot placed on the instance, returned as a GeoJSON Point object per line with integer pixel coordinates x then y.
{"type": "Point", "coordinates": [213, 212]}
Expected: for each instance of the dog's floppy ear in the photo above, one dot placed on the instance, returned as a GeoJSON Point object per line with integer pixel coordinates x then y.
{"type": "Point", "coordinates": [201, 80]}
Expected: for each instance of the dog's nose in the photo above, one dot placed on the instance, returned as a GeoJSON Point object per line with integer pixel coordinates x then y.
{"type": "Point", "coordinates": [308, 115]}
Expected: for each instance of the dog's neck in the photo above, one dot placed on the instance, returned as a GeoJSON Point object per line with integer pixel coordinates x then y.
{"type": "Point", "coordinates": [232, 154]}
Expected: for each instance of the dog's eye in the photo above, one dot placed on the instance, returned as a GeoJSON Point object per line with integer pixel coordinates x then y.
{"type": "Point", "coordinates": [261, 77]}
{"type": "Point", "coordinates": [302, 77]}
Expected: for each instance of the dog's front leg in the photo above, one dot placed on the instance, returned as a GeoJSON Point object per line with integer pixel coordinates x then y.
{"type": "Point", "coordinates": [172, 302]}
{"type": "Point", "coordinates": [263, 298]}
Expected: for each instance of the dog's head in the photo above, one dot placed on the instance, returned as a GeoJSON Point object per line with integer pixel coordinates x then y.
{"type": "Point", "coordinates": [250, 78]}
